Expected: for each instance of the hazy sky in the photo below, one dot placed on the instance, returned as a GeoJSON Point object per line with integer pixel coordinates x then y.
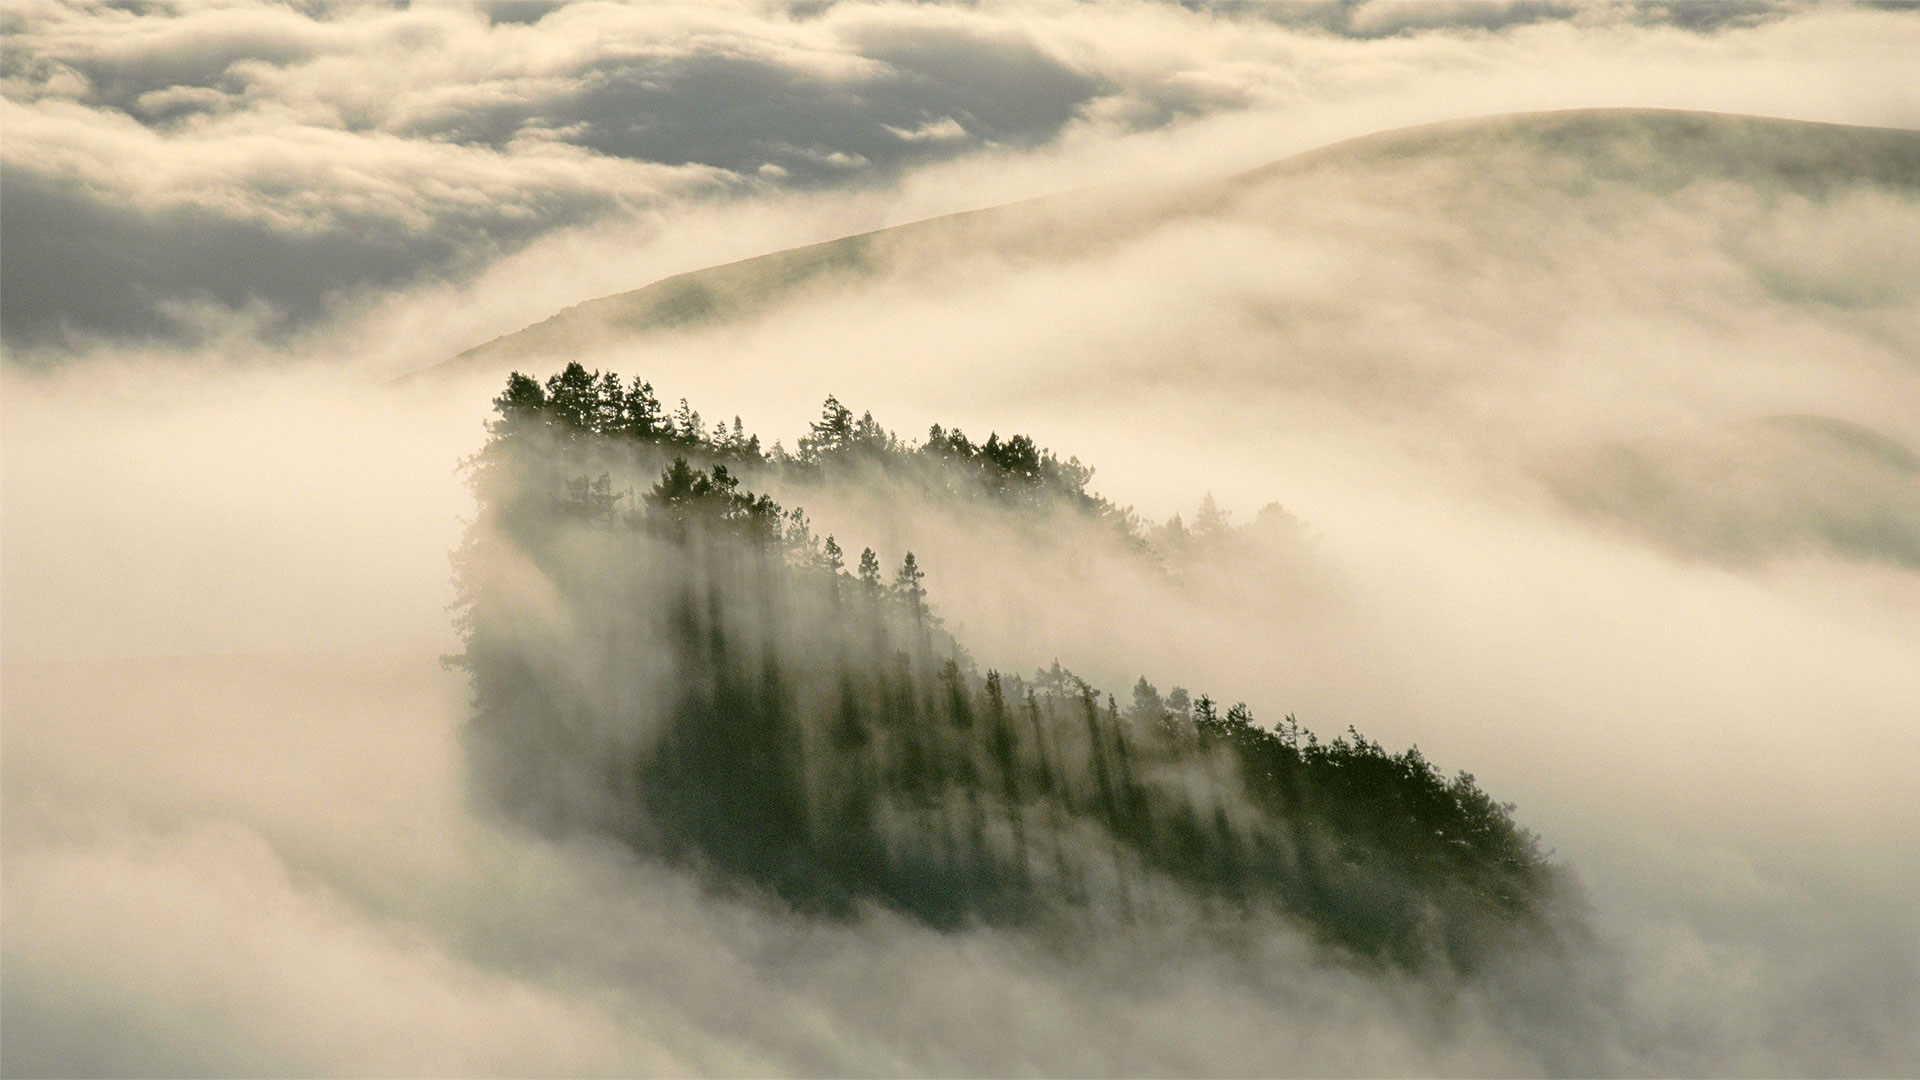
{"type": "Point", "coordinates": [236, 836]}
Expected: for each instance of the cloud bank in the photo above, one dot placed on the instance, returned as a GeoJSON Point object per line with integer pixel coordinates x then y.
{"type": "Point", "coordinates": [173, 167]}
{"type": "Point", "coordinates": [238, 834]}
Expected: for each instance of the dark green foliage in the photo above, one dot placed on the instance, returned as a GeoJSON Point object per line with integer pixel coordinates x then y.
{"type": "Point", "coordinates": [1016, 470]}
{"type": "Point", "coordinates": [686, 500]}
{"type": "Point", "coordinates": [691, 671]}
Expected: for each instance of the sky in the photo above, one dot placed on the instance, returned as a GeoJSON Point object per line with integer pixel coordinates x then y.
{"type": "Point", "coordinates": [236, 833]}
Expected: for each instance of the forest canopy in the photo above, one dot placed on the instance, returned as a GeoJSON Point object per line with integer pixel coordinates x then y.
{"type": "Point", "coordinates": [660, 654]}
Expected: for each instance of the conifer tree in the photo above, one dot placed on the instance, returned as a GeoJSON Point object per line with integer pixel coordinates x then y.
{"type": "Point", "coordinates": [571, 395]}
{"type": "Point", "coordinates": [1211, 522]}
{"type": "Point", "coordinates": [830, 434]}
{"type": "Point", "coordinates": [687, 425]}
{"type": "Point", "coordinates": [906, 585]}
{"type": "Point", "coordinates": [523, 403]}
{"type": "Point", "coordinates": [608, 399]}
{"type": "Point", "coordinates": [640, 415]}
{"type": "Point", "coordinates": [1206, 718]}
{"type": "Point", "coordinates": [1148, 711]}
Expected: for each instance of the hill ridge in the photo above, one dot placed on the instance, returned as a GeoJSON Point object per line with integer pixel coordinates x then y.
{"type": "Point", "coordinates": [1674, 147]}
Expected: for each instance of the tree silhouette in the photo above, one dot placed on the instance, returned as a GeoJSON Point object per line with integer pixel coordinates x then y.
{"type": "Point", "coordinates": [907, 586]}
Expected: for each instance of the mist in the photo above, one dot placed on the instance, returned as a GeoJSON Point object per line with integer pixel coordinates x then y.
{"type": "Point", "coordinates": [1596, 459]}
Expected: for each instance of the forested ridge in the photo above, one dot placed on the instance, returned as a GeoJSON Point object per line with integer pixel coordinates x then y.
{"type": "Point", "coordinates": [662, 655]}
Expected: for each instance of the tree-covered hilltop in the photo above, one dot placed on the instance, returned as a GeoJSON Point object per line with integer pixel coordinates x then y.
{"type": "Point", "coordinates": [661, 655]}
{"type": "Point", "coordinates": [576, 404]}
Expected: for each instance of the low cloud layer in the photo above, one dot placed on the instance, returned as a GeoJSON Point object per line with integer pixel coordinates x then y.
{"type": "Point", "coordinates": [272, 861]}
{"type": "Point", "coordinates": [239, 834]}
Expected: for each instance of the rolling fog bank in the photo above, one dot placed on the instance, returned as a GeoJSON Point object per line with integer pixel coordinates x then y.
{"type": "Point", "coordinates": [1594, 438]}
{"type": "Point", "coordinates": [282, 843]}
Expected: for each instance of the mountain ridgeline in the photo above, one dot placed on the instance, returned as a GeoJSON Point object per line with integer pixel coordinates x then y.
{"type": "Point", "coordinates": [1495, 172]}
{"type": "Point", "coordinates": [661, 656]}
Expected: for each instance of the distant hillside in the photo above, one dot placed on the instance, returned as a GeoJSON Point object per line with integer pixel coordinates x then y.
{"type": "Point", "coordinates": [1659, 149]}
{"type": "Point", "coordinates": [1044, 228]}
{"type": "Point", "coordinates": [1459, 167]}
{"type": "Point", "coordinates": [1747, 492]}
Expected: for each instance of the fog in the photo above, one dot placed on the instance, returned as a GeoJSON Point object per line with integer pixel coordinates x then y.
{"type": "Point", "coordinates": [1524, 393]}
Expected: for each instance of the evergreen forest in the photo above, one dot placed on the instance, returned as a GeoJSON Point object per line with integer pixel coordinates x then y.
{"type": "Point", "coordinates": [662, 654]}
